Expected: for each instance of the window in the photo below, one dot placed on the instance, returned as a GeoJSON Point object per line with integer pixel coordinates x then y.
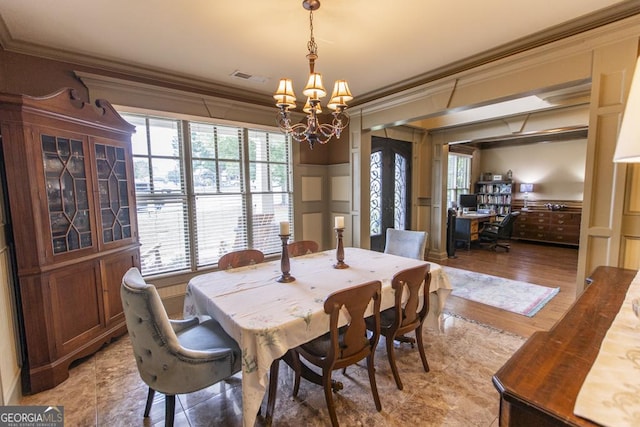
{"type": "Point", "coordinates": [458, 177]}
{"type": "Point", "coordinates": [204, 189]}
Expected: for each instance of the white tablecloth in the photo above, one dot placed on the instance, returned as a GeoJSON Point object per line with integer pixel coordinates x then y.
{"type": "Point", "coordinates": [610, 394]}
{"type": "Point", "coordinates": [267, 317]}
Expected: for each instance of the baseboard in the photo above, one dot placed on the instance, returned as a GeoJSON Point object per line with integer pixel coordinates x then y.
{"type": "Point", "coordinates": [14, 393]}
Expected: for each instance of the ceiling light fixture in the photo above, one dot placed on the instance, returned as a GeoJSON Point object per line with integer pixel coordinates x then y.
{"type": "Point", "coordinates": [310, 129]}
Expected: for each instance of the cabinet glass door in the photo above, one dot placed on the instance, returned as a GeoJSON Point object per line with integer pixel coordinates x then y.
{"type": "Point", "coordinates": [115, 209]}
{"type": "Point", "coordinates": [67, 195]}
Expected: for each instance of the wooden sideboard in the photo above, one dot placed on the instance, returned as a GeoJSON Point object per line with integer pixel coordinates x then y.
{"type": "Point", "coordinates": [539, 384]}
{"type": "Point", "coordinates": [548, 226]}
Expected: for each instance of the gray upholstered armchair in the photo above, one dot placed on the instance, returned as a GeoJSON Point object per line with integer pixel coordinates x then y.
{"type": "Point", "coordinates": [406, 243]}
{"type": "Point", "coordinates": [174, 356]}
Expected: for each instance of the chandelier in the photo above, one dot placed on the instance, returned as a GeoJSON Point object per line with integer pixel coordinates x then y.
{"type": "Point", "coordinates": [310, 129]}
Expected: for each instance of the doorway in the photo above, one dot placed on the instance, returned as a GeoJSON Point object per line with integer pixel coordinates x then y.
{"type": "Point", "coordinates": [390, 183]}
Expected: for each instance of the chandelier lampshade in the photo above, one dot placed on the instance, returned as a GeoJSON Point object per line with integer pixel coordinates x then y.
{"type": "Point", "coordinates": [314, 87]}
{"type": "Point", "coordinates": [284, 96]}
{"type": "Point", "coordinates": [340, 96]}
{"type": "Point", "coordinates": [310, 129]}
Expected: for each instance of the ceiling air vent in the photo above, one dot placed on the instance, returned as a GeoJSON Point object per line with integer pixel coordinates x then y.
{"type": "Point", "coordinates": [244, 76]}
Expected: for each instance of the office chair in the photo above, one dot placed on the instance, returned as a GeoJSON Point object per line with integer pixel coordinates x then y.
{"type": "Point", "coordinates": [494, 234]}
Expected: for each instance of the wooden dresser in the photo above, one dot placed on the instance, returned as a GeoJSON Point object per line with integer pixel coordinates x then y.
{"type": "Point", "coordinates": [69, 181]}
{"type": "Point", "coordinates": [539, 384]}
{"type": "Point", "coordinates": [562, 226]}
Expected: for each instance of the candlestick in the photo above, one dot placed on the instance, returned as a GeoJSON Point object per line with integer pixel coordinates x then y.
{"type": "Point", "coordinates": [284, 258]}
{"type": "Point", "coordinates": [340, 249]}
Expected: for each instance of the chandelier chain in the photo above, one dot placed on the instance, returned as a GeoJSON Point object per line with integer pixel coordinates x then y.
{"type": "Point", "coordinates": [311, 45]}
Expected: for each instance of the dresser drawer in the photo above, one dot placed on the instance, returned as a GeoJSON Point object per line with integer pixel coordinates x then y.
{"type": "Point", "coordinates": [530, 227]}
{"type": "Point", "coordinates": [569, 239]}
{"type": "Point", "coordinates": [533, 217]}
{"type": "Point", "coordinates": [572, 230]}
{"type": "Point", "coordinates": [565, 218]}
{"type": "Point", "coordinates": [530, 235]}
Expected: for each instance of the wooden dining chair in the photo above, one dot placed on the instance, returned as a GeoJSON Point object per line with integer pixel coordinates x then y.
{"type": "Point", "coordinates": [302, 247]}
{"type": "Point", "coordinates": [240, 258]}
{"type": "Point", "coordinates": [346, 345]}
{"type": "Point", "coordinates": [405, 317]}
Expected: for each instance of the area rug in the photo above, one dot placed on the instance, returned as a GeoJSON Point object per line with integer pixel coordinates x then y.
{"type": "Point", "coordinates": [511, 295]}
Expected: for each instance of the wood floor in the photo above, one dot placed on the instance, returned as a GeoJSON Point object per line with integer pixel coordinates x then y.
{"type": "Point", "coordinates": [546, 265]}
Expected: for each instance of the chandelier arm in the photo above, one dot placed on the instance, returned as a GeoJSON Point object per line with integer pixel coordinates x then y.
{"type": "Point", "coordinates": [340, 121]}
{"type": "Point", "coordinates": [299, 131]}
{"type": "Point", "coordinates": [327, 132]}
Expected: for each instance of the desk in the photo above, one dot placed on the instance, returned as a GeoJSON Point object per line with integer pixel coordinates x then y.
{"type": "Point", "coordinates": [538, 386]}
{"type": "Point", "coordinates": [468, 225]}
{"type": "Point", "coordinates": [267, 318]}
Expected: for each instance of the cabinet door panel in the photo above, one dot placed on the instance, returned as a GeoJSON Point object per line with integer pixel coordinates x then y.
{"type": "Point", "coordinates": [77, 305]}
{"type": "Point", "coordinates": [113, 268]}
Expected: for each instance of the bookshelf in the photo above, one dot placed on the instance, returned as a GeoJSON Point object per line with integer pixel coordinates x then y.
{"type": "Point", "coordinates": [495, 196]}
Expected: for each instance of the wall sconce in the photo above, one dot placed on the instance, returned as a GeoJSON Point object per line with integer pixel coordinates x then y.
{"type": "Point", "coordinates": [628, 147]}
{"type": "Point", "coordinates": [526, 189]}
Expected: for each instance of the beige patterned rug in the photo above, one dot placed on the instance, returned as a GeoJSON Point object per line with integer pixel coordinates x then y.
{"type": "Point", "coordinates": [511, 295]}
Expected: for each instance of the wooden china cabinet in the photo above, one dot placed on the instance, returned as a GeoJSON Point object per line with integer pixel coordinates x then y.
{"type": "Point", "coordinates": [69, 179]}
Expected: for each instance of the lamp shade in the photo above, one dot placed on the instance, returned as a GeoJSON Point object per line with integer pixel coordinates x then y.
{"type": "Point", "coordinates": [284, 96]}
{"type": "Point", "coordinates": [628, 147]}
{"type": "Point", "coordinates": [526, 188]}
{"type": "Point", "coordinates": [340, 96]}
{"type": "Point", "coordinates": [314, 87]}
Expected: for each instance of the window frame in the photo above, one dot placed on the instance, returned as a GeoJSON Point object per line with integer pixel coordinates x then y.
{"type": "Point", "coordinates": [456, 190]}
{"type": "Point", "coordinates": [188, 194]}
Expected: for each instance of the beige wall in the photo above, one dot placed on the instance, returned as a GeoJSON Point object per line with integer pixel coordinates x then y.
{"type": "Point", "coordinates": [556, 168]}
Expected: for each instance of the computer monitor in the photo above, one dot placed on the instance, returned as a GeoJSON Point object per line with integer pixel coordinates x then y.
{"type": "Point", "coordinates": [468, 201]}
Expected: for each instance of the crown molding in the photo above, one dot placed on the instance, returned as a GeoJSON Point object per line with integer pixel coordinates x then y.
{"type": "Point", "coordinates": [135, 72]}
{"type": "Point", "coordinates": [568, 29]}
{"type": "Point", "coordinates": [196, 84]}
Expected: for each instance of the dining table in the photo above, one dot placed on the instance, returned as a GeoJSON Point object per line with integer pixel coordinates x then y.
{"type": "Point", "coordinates": [267, 317]}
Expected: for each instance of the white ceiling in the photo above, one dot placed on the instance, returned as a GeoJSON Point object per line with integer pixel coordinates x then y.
{"type": "Point", "coordinates": [374, 44]}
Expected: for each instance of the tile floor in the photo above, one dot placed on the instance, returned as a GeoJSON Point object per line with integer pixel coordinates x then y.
{"type": "Point", "coordinates": [105, 389]}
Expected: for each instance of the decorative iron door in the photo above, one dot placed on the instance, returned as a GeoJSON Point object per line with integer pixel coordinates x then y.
{"type": "Point", "coordinates": [390, 183]}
